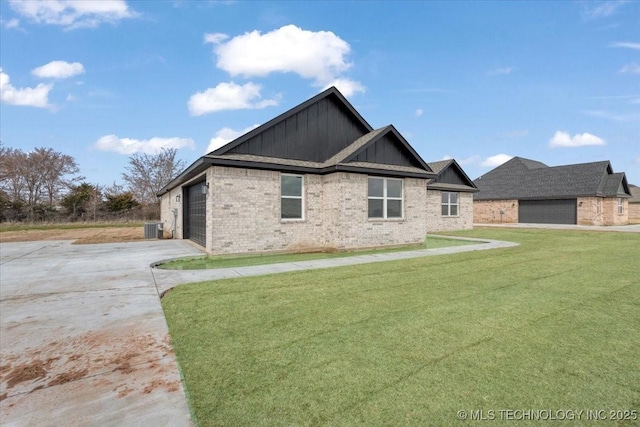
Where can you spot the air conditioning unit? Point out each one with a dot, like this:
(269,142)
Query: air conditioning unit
(153,230)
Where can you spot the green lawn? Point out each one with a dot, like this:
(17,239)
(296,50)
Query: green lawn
(553,324)
(225,261)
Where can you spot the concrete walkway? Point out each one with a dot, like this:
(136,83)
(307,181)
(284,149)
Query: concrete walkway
(167,279)
(634,228)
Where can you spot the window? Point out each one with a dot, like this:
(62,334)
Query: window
(449,204)
(291,196)
(598,206)
(385,198)
(620,205)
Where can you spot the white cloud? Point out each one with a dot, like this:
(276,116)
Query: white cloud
(602,9)
(12,23)
(58,70)
(496,160)
(228,96)
(29,96)
(215,38)
(501,71)
(318,55)
(469,160)
(419,112)
(73,13)
(148,146)
(632,68)
(226,135)
(346,86)
(563,139)
(628,45)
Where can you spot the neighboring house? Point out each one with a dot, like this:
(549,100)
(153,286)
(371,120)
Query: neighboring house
(527,191)
(634,205)
(449,197)
(316,177)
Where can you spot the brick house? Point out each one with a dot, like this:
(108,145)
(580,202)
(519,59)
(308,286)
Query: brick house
(316,177)
(527,191)
(634,205)
(449,197)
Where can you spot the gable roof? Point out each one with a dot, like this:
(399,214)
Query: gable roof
(322,135)
(314,131)
(524,179)
(450,177)
(635,193)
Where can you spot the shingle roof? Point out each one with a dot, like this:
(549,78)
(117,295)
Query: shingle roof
(437,167)
(635,194)
(523,179)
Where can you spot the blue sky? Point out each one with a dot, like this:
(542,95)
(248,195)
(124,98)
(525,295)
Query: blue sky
(557,82)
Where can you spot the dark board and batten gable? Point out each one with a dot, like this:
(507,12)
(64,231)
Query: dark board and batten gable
(389,147)
(450,177)
(314,131)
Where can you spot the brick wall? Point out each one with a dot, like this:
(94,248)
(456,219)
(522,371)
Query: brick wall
(588,213)
(634,213)
(244,213)
(488,211)
(346,222)
(437,222)
(611,215)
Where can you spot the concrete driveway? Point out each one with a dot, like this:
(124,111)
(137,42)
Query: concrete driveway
(83,339)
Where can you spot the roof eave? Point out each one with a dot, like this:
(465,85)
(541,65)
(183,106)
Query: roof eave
(195,169)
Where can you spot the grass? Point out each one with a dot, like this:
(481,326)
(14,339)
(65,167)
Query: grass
(225,261)
(5,227)
(553,324)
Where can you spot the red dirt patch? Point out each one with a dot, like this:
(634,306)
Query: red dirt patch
(68,377)
(78,235)
(135,358)
(26,372)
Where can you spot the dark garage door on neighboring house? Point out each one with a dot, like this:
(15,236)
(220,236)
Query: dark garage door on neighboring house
(195,215)
(561,211)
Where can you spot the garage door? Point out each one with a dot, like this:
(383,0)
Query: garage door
(547,211)
(195,215)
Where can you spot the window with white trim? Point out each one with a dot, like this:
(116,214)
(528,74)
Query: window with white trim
(620,205)
(291,197)
(385,198)
(450,203)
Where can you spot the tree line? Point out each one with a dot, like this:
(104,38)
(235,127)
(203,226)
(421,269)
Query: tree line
(45,185)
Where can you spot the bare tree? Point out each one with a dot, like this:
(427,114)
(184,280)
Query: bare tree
(57,172)
(11,178)
(147,173)
(42,173)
